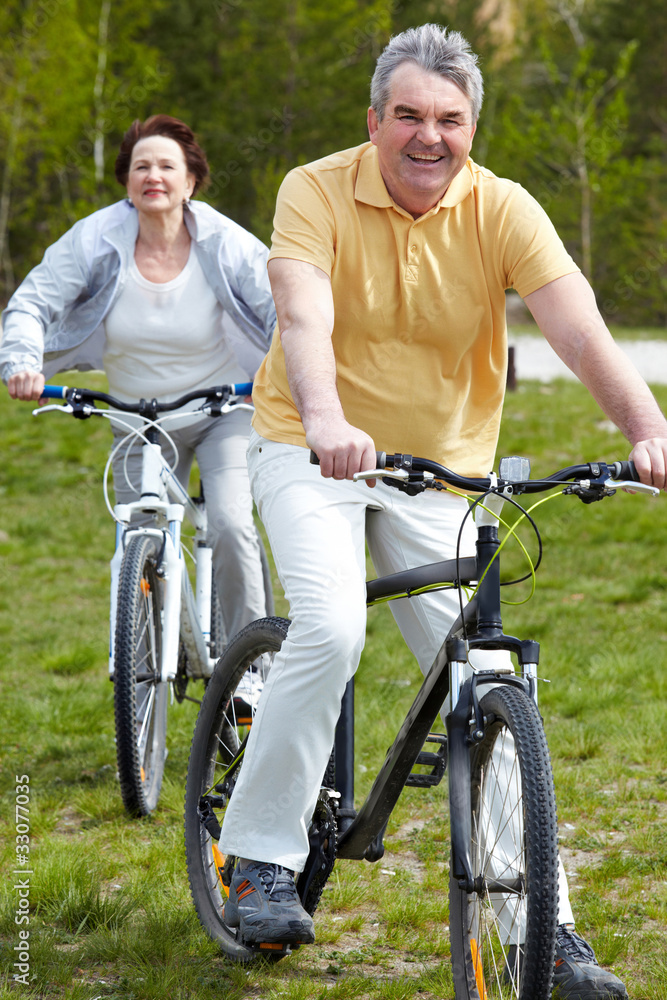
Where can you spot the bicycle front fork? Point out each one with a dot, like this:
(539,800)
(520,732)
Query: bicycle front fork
(465,727)
(170,569)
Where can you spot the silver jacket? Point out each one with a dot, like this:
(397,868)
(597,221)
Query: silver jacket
(54,321)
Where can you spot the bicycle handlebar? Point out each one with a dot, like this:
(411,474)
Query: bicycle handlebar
(413,470)
(78,397)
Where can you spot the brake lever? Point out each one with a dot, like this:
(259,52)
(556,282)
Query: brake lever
(51,407)
(215,409)
(401,474)
(632,487)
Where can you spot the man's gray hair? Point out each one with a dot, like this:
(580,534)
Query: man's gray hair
(436,50)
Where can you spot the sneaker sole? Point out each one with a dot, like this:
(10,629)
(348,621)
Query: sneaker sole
(258,935)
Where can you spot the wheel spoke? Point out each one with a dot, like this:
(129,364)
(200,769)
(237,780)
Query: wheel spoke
(145,722)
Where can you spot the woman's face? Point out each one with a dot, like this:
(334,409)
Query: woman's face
(158,178)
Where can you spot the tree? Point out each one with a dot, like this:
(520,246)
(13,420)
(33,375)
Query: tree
(269,85)
(61,117)
(563,131)
(572,110)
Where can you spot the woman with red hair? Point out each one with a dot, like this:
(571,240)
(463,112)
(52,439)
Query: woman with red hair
(166,295)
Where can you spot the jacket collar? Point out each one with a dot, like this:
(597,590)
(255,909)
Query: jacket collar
(123,236)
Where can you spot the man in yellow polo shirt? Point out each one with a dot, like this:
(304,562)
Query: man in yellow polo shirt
(389,267)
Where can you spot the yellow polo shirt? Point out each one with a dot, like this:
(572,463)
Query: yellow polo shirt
(419,336)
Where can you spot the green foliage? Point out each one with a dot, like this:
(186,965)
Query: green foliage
(572,111)
(269,85)
(563,127)
(71,81)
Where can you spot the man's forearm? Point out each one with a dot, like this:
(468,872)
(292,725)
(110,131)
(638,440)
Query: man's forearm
(619,390)
(311,373)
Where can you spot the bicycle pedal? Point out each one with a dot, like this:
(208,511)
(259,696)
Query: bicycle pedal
(437,761)
(270,952)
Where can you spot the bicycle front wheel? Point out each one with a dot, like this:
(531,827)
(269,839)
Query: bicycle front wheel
(503,932)
(140,697)
(224,721)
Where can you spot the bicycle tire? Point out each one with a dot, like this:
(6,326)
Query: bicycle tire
(219,732)
(218,633)
(140,697)
(485,963)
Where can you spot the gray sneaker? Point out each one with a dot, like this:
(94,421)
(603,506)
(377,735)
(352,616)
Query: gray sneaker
(577,974)
(264,904)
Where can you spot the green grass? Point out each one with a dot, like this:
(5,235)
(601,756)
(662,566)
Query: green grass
(110,912)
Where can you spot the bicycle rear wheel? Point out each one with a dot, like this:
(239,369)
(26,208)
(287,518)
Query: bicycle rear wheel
(503,933)
(224,721)
(140,697)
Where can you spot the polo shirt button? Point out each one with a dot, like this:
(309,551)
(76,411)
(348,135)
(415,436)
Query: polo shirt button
(413,249)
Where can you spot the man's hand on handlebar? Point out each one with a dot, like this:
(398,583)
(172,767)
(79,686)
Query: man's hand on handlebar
(650,458)
(341,448)
(26,385)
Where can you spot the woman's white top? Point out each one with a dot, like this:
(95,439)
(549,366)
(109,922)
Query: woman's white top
(166,339)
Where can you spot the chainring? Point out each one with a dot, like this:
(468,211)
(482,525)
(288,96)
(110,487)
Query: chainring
(180,682)
(322,855)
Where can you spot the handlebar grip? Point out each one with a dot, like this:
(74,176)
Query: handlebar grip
(380,459)
(242,389)
(627,470)
(54,391)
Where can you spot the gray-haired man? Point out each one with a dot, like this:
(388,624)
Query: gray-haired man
(389,267)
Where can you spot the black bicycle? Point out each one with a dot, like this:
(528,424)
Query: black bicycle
(503,885)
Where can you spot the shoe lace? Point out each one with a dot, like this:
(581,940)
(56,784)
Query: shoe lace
(278,882)
(574,945)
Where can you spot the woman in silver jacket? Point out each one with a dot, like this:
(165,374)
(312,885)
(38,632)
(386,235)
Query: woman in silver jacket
(166,295)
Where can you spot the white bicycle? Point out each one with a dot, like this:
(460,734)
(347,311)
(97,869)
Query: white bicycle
(163,632)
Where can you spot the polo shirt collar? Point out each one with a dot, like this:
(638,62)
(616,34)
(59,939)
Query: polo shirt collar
(371,189)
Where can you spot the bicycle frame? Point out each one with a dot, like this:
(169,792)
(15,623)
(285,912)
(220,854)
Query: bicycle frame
(361,836)
(185,617)
(479,627)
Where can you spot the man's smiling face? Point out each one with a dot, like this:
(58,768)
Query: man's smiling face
(424,138)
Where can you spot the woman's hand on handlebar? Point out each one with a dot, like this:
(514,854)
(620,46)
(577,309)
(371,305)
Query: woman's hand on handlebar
(26,385)
(341,448)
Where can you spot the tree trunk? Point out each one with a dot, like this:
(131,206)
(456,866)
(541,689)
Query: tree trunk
(98,91)
(586,220)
